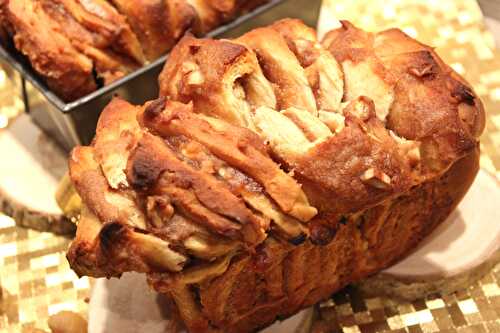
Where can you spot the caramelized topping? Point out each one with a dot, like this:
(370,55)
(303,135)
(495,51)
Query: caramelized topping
(376,178)
(267,138)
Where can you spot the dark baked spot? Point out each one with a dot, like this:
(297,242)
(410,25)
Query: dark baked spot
(462,93)
(422,64)
(232,52)
(298,239)
(155,108)
(322,234)
(261,260)
(110,235)
(143,171)
(193,49)
(343,220)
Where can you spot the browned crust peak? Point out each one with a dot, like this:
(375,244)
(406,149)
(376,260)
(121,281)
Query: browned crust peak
(276,169)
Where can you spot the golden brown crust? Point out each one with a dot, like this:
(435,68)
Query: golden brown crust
(204,198)
(211,14)
(207,83)
(404,79)
(274,174)
(71,75)
(197,191)
(69,41)
(239,147)
(419,81)
(66,40)
(335,168)
(157,24)
(98,25)
(101,17)
(239,300)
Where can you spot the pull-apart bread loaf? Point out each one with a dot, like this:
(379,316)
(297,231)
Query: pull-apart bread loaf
(275,169)
(78,45)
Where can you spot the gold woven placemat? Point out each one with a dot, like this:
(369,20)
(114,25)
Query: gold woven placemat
(36,281)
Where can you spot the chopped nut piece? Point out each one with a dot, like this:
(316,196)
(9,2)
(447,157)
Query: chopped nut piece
(410,147)
(159,210)
(362,80)
(207,166)
(303,45)
(304,50)
(192,76)
(361,108)
(376,178)
(67,322)
(396,137)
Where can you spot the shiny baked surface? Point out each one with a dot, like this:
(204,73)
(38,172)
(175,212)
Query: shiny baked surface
(292,165)
(348,120)
(468,309)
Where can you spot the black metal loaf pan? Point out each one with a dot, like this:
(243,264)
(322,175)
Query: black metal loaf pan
(74,123)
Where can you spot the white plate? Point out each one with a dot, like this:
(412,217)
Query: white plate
(128,305)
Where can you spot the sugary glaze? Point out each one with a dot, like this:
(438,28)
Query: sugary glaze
(271,160)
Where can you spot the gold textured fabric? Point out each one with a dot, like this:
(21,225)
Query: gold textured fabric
(36,281)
